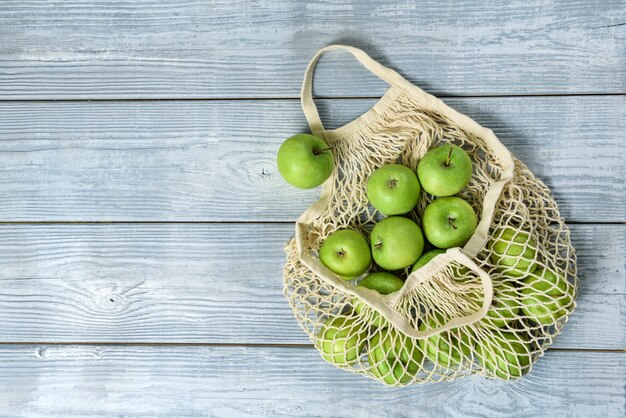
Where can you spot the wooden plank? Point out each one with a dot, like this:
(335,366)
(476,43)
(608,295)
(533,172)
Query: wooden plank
(217,283)
(215,161)
(156,49)
(68,381)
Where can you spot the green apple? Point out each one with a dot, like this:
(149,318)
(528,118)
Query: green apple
(341,340)
(506,354)
(449,222)
(546,297)
(393,357)
(445,170)
(396,243)
(393,189)
(514,251)
(346,253)
(505,305)
(382,282)
(305,161)
(425,258)
(446,349)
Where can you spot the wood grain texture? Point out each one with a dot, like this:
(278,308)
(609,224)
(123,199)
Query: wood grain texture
(210,283)
(215,161)
(219,49)
(77,381)
(220,284)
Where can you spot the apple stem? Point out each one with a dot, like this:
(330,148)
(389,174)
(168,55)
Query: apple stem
(451,222)
(447,163)
(318,152)
(392,183)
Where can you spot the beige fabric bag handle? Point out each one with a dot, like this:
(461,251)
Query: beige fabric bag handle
(385,305)
(306,94)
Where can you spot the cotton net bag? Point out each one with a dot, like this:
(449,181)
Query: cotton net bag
(490,308)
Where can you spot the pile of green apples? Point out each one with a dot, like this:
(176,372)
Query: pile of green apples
(396,245)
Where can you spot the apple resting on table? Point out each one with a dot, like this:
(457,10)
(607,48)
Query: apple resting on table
(341,340)
(505,305)
(546,297)
(305,161)
(514,251)
(393,356)
(506,354)
(446,349)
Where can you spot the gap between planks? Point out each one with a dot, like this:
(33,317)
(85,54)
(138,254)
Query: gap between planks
(175,344)
(56,222)
(293,98)
(308,346)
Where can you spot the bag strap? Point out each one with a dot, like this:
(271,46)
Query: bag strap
(306,94)
(423,274)
(386,305)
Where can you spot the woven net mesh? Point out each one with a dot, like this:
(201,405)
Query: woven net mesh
(527,254)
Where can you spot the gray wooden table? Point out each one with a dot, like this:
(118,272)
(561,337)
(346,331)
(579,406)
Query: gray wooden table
(142,217)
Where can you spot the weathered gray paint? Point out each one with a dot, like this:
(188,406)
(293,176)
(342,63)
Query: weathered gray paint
(97,381)
(169,161)
(217,283)
(200,161)
(159,49)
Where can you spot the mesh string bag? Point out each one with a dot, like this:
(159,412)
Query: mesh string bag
(490,308)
